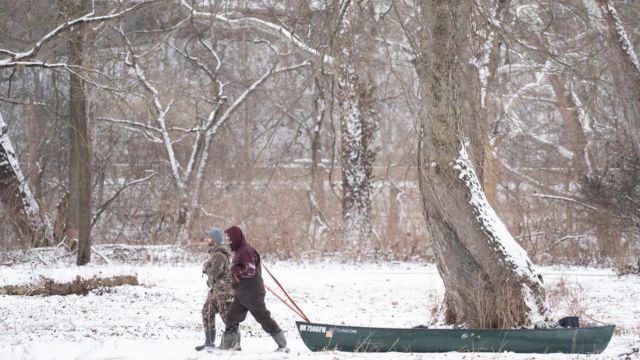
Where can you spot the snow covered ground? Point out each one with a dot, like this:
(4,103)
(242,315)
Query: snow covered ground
(161,319)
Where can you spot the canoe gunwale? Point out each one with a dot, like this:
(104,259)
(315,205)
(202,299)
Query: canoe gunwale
(447,329)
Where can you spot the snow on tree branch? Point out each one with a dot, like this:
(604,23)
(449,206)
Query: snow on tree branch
(563,198)
(22,58)
(159,109)
(623,37)
(144,129)
(211,125)
(266,26)
(247,92)
(18,102)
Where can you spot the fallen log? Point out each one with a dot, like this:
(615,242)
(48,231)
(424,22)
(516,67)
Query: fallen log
(79,286)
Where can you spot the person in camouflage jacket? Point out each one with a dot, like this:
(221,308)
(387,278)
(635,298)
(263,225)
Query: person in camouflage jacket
(220,294)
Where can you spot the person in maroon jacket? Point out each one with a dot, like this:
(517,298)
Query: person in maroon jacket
(247,282)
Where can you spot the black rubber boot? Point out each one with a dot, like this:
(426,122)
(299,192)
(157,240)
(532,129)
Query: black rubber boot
(230,341)
(281,341)
(209,338)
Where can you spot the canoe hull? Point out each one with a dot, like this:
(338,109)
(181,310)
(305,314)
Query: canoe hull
(584,340)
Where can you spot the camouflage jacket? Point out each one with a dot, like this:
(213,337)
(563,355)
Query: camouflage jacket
(217,266)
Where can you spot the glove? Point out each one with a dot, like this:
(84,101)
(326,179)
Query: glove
(205,266)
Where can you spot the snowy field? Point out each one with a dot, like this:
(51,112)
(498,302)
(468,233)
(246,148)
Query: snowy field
(161,319)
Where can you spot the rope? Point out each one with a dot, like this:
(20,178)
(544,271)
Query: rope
(299,312)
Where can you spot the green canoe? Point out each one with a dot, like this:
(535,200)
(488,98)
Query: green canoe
(580,340)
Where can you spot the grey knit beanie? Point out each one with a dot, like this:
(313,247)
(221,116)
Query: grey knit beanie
(216,234)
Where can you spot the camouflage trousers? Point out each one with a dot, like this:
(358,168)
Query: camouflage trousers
(218,301)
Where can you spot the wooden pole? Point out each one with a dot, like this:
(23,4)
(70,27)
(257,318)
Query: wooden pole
(301,313)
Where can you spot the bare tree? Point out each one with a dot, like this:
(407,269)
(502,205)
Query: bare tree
(488,277)
(187,178)
(79,228)
(354,98)
(552,87)
(597,139)
(75,15)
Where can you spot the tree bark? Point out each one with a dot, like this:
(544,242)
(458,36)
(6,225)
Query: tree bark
(488,277)
(79,146)
(356,166)
(355,101)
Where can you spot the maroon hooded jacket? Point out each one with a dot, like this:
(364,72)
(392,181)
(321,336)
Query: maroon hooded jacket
(245,265)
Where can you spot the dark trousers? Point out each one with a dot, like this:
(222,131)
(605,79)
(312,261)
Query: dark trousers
(255,305)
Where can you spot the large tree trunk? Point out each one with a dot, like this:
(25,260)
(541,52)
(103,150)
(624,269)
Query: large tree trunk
(488,277)
(16,196)
(80,149)
(356,164)
(355,100)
